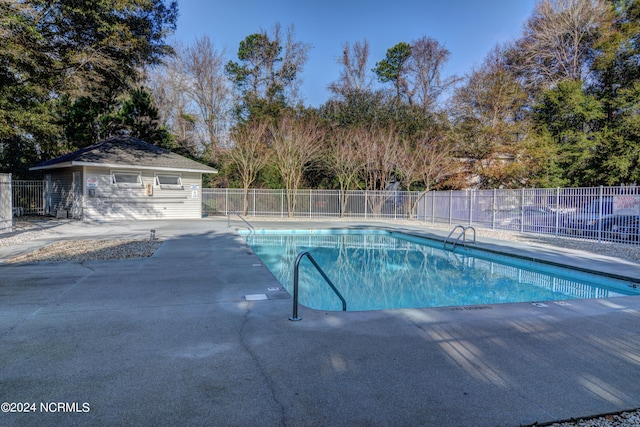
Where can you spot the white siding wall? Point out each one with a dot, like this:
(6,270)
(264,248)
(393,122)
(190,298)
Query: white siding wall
(109,202)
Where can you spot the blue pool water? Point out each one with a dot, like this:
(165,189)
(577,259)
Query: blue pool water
(378,269)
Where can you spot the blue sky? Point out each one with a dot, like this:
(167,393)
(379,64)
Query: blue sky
(469,29)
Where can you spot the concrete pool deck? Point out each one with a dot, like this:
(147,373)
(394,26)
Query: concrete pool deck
(173,340)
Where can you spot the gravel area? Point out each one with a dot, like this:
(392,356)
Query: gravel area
(73,250)
(90,250)
(622,419)
(24,231)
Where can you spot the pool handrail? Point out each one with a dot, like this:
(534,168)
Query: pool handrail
(296,266)
(251,229)
(463,235)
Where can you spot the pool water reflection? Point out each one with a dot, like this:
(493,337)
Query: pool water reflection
(377,269)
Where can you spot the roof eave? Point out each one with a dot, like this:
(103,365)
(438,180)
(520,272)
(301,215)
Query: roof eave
(53,166)
(120,166)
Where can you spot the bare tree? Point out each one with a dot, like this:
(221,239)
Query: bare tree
(428,57)
(344,159)
(297,144)
(559,38)
(168,86)
(428,161)
(380,149)
(354,75)
(210,92)
(194,97)
(249,154)
(293,60)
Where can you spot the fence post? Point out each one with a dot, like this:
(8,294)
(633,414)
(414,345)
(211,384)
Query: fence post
(11,202)
(471,207)
(395,204)
(522,210)
(557,211)
(493,210)
(6,207)
(366,201)
(433,207)
(600,214)
(226,202)
(425,207)
(450,207)
(44,197)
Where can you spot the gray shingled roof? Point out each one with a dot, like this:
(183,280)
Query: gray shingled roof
(125,152)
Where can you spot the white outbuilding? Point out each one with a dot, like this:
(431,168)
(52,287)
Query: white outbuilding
(124,178)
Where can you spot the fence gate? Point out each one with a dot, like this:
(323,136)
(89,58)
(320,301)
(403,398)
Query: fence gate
(6,214)
(29,197)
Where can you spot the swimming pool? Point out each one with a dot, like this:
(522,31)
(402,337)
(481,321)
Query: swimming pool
(380,269)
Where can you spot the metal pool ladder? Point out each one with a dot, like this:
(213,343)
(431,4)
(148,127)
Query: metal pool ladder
(295,284)
(251,229)
(462,235)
